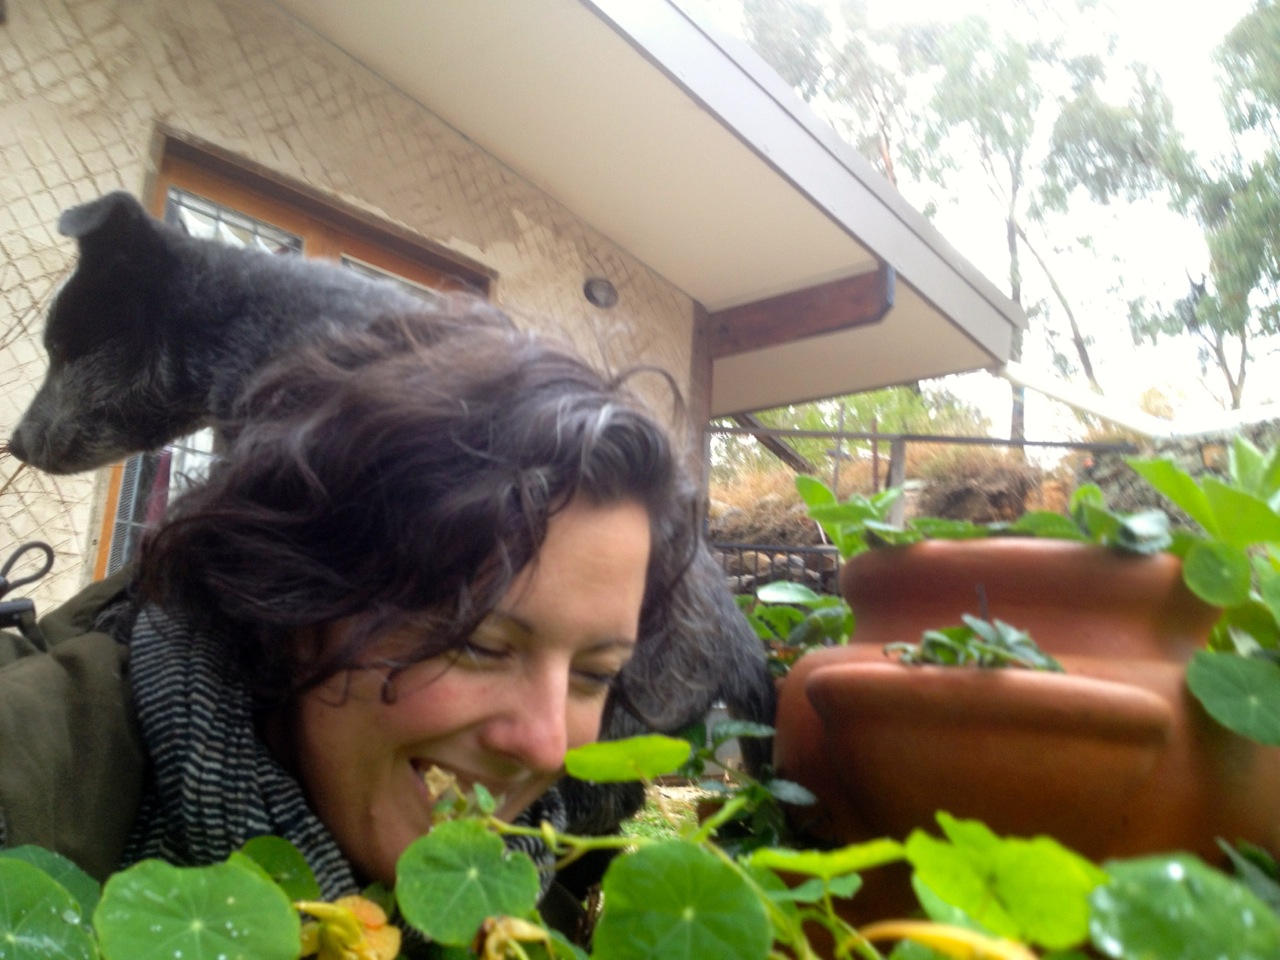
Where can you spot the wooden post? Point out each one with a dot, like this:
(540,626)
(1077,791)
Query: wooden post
(835,469)
(897,477)
(875,456)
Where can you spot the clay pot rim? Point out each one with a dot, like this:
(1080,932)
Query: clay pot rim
(1107,709)
(1027,543)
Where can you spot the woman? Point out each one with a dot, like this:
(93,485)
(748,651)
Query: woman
(408,557)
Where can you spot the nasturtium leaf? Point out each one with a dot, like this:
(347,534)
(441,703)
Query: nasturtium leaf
(779,620)
(485,801)
(1241,693)
(959,877)
(1178,908)
(813,491)
(881,534)
(1099,525)
(1180,487)
(154,911)
(810,891)
(829,623)
(974,835)
(939,910)
(1146,532)
(679,901)
(1045,887)
(449,881)
(565,949)
(284,864)
(1089,493)
(1246,466)
(1266,572)
(786,591)
(940,528)
(1243,519)
(1045,523)
(75,881)
(636,758)
(724,730)
(1259,880)
(1217,573)
(1034,890)
(827,864)
(39,919)
(788,791)
(1247,627)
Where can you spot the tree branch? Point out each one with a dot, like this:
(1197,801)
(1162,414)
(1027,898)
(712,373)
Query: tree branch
(1077,338)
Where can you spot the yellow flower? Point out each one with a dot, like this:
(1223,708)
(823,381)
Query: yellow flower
(500,938)
(350,928)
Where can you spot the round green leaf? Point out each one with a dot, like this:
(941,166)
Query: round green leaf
(636,758)
(39,919)
(1045,887)
(1043,523)
(154,911)
(679,902)
(1178,908)
(1028,889)
(724,730)
(788,791)
(1241,693)
(284,864)
(458,875)
(75,881)
(1217,573)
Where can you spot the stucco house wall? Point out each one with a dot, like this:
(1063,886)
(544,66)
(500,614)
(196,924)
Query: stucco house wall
(86,84)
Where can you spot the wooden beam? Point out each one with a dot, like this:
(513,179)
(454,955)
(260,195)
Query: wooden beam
(775,445)
(827,308)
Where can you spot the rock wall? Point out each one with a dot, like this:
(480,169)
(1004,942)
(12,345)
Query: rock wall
(1126,492)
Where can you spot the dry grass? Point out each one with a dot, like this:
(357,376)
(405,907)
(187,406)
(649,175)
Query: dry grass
(982,484)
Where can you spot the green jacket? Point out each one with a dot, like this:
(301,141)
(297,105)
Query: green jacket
(72,763)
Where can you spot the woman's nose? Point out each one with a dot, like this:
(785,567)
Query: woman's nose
(533,727)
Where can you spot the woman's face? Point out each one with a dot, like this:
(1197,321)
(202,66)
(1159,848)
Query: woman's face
(531,684)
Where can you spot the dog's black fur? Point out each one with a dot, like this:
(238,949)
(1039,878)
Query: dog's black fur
(156,333)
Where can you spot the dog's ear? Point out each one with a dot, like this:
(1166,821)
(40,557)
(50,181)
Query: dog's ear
(106,224)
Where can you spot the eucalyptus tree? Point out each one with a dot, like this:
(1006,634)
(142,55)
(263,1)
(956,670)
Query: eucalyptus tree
(841,63)
(1034,122)
(1233,305)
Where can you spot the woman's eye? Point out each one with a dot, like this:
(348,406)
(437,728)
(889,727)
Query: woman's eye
(594,682)
(480,653)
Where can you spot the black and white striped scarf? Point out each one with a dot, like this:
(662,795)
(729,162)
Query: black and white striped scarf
(214,784)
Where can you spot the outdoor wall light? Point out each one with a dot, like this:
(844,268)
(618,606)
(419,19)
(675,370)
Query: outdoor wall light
(600,292)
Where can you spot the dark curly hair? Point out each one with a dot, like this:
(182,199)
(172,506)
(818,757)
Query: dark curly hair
(395,472)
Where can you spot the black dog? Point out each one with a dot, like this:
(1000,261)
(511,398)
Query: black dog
(156,334)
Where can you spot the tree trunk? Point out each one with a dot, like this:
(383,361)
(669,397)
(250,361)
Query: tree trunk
(1018,404)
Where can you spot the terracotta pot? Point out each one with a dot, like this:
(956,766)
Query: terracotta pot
(1114,759)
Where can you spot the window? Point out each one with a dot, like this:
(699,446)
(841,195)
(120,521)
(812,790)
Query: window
(207,203)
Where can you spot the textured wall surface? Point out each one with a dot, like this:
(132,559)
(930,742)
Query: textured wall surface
(83,86)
